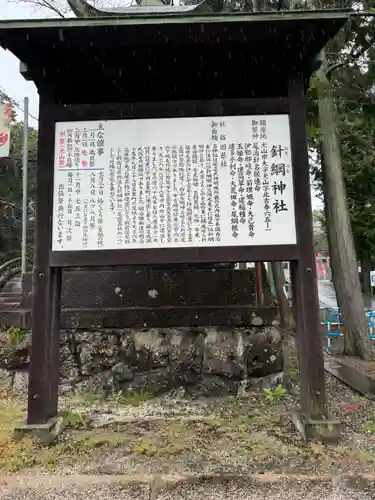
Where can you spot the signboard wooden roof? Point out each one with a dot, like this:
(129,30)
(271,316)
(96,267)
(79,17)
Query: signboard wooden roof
(170,56)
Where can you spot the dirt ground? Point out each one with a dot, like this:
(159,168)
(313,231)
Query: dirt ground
(141,437)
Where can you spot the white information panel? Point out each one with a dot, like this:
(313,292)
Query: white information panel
(172,183)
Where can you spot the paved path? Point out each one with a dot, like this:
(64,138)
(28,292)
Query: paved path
(327,295)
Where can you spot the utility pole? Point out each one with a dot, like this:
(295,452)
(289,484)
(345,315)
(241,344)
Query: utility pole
(25,161)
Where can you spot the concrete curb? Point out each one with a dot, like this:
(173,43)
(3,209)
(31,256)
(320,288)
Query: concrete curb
(160,483)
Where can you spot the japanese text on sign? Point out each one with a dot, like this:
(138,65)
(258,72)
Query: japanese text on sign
(175,182)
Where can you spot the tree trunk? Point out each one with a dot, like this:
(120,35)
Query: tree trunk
(286,315)
(267,295)
(258,284)
(342,251)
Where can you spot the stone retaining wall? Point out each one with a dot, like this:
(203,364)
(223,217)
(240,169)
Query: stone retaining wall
(202,360)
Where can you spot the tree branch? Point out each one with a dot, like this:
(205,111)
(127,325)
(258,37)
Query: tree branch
(6,203)
(53,8)
(43,4)
(351,57)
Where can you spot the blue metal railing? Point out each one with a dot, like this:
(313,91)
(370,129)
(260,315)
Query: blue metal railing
(334,324)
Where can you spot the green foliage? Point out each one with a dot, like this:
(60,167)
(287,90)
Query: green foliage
(73,420)
(14,335)
(11,192)
(352,56)
(135,398)
(369,428)
(320,233)
(275,395)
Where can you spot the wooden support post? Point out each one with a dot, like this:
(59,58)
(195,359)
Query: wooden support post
(44,364)
(310,353)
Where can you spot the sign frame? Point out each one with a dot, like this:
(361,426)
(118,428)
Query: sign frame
(230,107)
(48,265)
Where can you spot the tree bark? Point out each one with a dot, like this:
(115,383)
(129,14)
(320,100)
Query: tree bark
(266,286)
(286,315)
(342,251)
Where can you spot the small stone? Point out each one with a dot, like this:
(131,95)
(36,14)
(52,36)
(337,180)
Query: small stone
(212,386)
(152,382)
(21,382)
(121,374)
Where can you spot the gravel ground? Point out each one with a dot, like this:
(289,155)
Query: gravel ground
(115,439)
(80,489)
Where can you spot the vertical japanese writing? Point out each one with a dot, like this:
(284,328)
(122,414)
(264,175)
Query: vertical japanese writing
(214,131)
(77,148)
(92,148)
(210,195)
(182,182)
(85,225)
(60,214)
(85,148)
(100,207)
(141,196)
(119,199)
(112,203)
(233,190)
(196,205)
(162,220)
(226,182)
(223,155)
(176,197)
(127,197)
(148,201)
(155,196)
(69,229)
(93,201)
(168,194)
(256,155)
(203,193)
(222,134)
(134,214)
(100,140)
(78,202)
(216,192)
(279,169)
(189,193)
(241,183)
(266,174)
(249,190)
(62,146)
(69,148)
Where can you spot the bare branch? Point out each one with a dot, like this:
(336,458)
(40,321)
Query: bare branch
(53,8)
(6,203)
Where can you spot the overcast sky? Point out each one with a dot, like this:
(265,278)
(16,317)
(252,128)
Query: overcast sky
(11,80)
